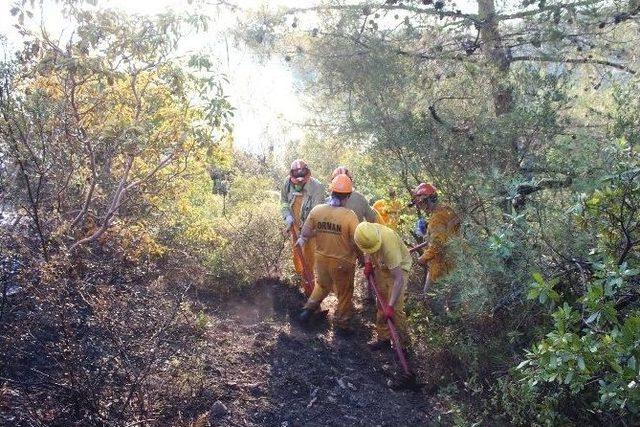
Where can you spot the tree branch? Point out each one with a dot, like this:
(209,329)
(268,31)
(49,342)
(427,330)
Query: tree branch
(594,61)
(534,12)
(115,204)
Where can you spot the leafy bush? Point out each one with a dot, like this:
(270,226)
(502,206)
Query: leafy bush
(593,348)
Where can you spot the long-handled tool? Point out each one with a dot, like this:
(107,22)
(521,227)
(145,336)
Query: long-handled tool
(418,247)
(392,327)
(426,276)
(307,274)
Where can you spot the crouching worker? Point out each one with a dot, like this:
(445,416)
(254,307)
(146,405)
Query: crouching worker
(389,261)
(443,224)
(333,227)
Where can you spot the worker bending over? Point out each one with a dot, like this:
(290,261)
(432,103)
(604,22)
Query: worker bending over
(333,226)
(300,193)
(443,223)
(389,261)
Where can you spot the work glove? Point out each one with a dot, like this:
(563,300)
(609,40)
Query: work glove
(301,241)
(368,268)
(289,220)
(388,312)
(421,227)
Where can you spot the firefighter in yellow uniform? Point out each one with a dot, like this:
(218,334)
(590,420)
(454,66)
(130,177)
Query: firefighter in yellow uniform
(333,226)
(300,193)
(389,210)
(389,261)
(443,224)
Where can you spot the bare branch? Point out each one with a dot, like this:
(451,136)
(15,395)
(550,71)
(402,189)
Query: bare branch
(534,12)
(113,208)
(615,65)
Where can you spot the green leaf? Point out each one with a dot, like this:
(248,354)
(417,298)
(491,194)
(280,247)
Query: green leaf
(581,364)
(593,317)
(538,278)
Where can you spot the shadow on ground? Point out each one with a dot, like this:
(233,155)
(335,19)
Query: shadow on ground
(274,372)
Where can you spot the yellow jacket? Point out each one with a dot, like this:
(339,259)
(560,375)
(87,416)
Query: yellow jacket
(389,212)
(443,223)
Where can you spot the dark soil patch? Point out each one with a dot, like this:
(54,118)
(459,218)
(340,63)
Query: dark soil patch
(274,372)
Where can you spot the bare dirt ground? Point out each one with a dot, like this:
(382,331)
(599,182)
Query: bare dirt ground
(274,372)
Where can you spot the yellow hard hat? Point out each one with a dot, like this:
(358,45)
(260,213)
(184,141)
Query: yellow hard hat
(367,237)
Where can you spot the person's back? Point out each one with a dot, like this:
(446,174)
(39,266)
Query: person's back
(359,205)
(393,252)
(333,228)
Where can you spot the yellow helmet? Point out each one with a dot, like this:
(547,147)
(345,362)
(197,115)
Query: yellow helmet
(367,237)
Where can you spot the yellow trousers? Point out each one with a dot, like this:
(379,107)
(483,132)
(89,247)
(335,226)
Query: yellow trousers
(334,275)
(309,254)
(384,281)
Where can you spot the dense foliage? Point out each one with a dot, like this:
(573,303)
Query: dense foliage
(124,200)
(121,200)
(524,114)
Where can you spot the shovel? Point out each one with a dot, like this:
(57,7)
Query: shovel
(392,328)
(418,247)
(409,379)
(307,274)
(426,276)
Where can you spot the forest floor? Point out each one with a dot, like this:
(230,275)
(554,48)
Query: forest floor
(275,372)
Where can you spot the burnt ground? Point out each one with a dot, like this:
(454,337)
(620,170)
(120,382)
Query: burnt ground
(275,372)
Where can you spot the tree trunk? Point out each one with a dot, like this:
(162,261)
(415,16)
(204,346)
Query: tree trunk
(498,56)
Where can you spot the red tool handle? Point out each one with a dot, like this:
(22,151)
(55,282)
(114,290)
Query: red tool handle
(307,275)
(417,247)
(392,327)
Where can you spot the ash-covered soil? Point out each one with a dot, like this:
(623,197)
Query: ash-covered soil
(274,372)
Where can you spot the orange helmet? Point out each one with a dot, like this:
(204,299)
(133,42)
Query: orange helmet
(299,172)
(423,191)
(341,170)
(341,184)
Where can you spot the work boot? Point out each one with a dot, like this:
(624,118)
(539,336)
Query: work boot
(321,314)
(380,345)
(305,315)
